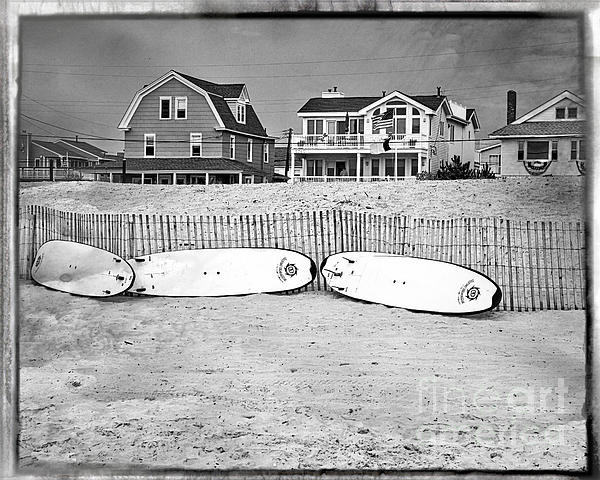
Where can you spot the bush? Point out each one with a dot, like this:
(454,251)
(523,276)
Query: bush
(456,170)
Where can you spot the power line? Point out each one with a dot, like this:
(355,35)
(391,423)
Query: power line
(412,70)
(66,114)
(305,62)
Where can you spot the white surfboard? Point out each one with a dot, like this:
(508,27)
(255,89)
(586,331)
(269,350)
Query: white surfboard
(413,283)
(81,269)
(221,271)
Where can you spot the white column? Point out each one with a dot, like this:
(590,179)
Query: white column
(142,178)
(358,167)
(395,164)
(174,178)
(303,166)
(110,177)
(241,178)
(252,179)
(292,166)
(207,179)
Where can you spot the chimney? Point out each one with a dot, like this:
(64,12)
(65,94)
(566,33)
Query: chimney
(511,106)
(439,91)
(383,93)
(335,88)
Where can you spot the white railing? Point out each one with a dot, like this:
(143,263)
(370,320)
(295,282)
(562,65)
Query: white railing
(357,141)
(59,173)
(346,178)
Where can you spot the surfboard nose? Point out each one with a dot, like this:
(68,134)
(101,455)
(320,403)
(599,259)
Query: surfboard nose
(313,269)
(496,297)
(323,264)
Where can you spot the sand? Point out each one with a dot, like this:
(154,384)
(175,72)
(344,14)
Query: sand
(304,381)
(531,198)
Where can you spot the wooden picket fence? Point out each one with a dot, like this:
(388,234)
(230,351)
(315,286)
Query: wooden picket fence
(540,265)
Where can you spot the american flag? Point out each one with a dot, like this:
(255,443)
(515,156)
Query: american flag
(383,120)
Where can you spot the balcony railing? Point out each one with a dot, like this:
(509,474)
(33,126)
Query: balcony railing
(347,178)
(357,141)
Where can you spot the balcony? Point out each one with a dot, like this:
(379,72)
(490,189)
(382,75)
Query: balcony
(356,142)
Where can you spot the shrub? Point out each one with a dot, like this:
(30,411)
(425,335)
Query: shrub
(454,170)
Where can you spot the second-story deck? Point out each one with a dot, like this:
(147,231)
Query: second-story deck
(357,142)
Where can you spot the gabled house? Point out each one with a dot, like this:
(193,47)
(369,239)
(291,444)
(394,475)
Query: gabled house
(181,129)
(392,137)
(60,154)
(548,140)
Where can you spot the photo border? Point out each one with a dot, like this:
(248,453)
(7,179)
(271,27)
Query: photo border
(11,11)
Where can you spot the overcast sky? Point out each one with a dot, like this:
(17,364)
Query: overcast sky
(80,74)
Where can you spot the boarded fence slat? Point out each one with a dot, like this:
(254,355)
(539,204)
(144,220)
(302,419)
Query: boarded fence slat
(538,265)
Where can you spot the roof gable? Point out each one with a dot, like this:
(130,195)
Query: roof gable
(84,147)
(172,74)
(530,116)
(396,95)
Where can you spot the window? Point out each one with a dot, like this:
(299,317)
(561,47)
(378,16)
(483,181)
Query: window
(554,150)
(181,107)
(451,132)
(241,113)
(572,112)
(164,109)
(414,167)
(560,112)
(573,149)
(581,150)
(265,152)
(314,127)
(441,129)
(389,167)
(537,150)
(249,150)
(232,146)
(416,125)
(357,125)
(149,144)
(521,151)
(375,167)
(195,144)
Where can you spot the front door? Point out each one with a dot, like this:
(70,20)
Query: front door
(340,169)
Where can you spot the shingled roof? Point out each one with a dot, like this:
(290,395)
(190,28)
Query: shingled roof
(86,147)
(59,149)
(532,129)
(181,165)
(353,104)
(225,90)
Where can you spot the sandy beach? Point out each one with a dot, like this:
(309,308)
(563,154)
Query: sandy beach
(305,381)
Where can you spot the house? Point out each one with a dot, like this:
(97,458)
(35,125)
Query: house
(62,153)
(489,156)
(391,137)
(183,130)
(548,140)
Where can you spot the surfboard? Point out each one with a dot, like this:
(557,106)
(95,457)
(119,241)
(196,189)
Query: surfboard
(81,269)
(417,284)
(221,271)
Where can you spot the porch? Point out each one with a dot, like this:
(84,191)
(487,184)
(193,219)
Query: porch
(392,166)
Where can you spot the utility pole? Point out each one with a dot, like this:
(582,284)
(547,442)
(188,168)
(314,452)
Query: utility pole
(289,148)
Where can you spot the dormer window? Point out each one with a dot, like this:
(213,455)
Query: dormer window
(560,113)
(164,108)
(181,107)
(572,112)
(241,113)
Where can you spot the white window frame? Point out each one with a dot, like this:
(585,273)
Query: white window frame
(249,151)
(266,152)
(148,136)
(160,102)
(232,146)
(185,100)
(195,140)
(241,113)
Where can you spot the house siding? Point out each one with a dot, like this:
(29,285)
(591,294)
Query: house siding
(200,119)
(563,166)
(549,115)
